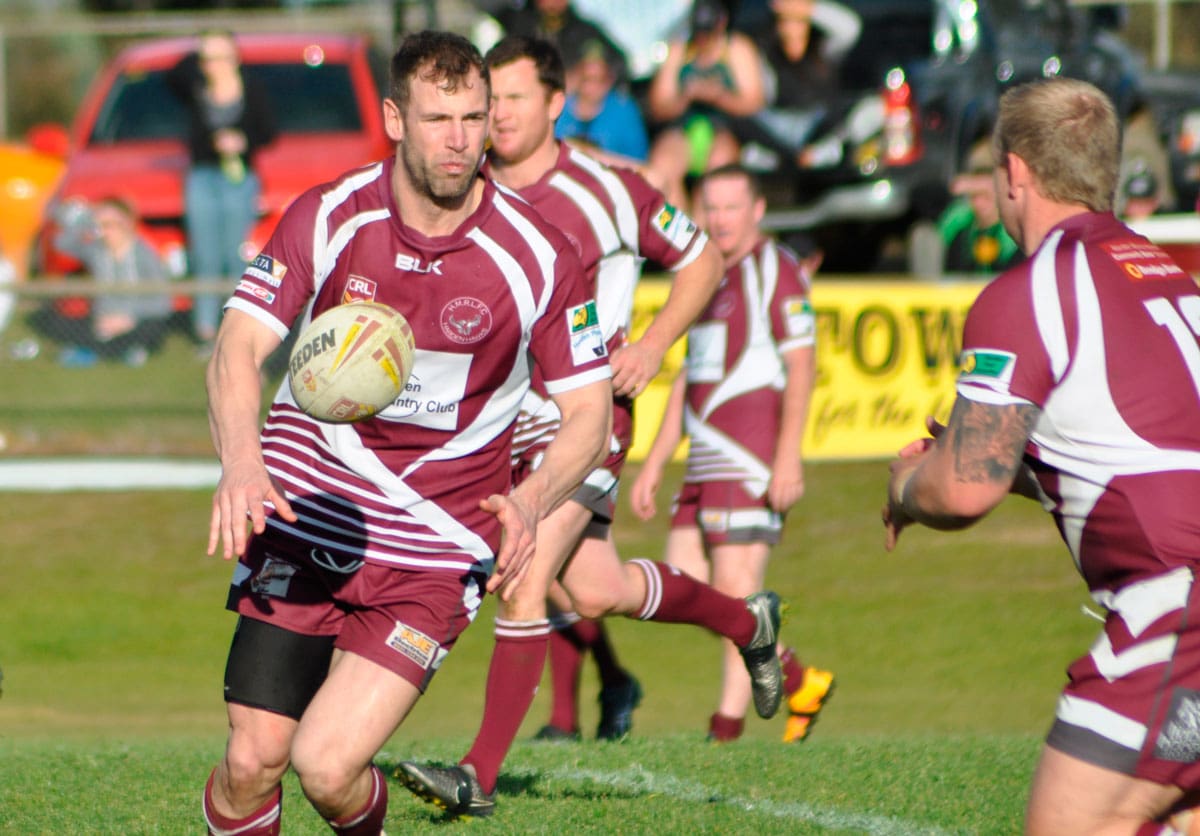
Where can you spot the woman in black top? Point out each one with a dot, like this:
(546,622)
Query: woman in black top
(230,118)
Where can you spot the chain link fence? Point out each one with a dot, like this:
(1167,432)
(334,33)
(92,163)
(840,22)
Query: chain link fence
(72,389)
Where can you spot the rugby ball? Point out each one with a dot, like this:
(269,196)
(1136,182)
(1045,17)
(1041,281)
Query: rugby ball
(351,362)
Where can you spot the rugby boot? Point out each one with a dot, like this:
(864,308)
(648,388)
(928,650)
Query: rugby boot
(806,702)
(453,788)
(617,703)
(766,675)
(554,734)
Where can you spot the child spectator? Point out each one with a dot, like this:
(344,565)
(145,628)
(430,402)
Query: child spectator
(128,327)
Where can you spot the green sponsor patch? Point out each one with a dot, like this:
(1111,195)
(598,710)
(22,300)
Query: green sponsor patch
(981,362)
(583,316)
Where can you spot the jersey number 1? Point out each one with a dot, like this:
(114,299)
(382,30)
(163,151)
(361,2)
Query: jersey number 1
(1183,326)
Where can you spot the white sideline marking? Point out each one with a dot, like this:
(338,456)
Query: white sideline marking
(637,778)
(93,474)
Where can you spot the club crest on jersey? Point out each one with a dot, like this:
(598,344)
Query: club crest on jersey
(987,365)
(267,269)
(724,303)
(359,289)
(466,320)
(411,642)
(411,263)
(674,225)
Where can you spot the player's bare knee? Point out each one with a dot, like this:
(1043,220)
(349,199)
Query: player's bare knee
(325,781)
(247,773)
(596,602)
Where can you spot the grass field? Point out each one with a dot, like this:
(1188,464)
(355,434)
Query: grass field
(949,655)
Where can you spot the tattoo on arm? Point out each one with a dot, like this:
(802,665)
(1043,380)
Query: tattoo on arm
(988,441)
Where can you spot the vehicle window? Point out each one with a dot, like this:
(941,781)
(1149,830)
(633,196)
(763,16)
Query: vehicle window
(310,99)
(140,106)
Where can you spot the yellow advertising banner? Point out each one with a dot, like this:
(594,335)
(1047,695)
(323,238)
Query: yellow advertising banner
(887,356)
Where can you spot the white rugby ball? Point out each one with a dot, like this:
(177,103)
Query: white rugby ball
(351,362)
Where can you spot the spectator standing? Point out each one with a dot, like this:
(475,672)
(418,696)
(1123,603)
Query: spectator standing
(373,543)
(230,118)
(1080,388)
(706,81)
(742,399)
(127,327)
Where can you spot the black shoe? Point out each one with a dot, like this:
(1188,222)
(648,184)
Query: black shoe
(617,703)
(454,788)
(556,735)
(766,676)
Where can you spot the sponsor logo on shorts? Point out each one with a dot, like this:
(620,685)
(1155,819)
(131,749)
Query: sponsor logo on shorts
(466,320)
(267,269)
(273,579)
(414,644)
(1179,739)
(255,290)
(359,289)
(711,520)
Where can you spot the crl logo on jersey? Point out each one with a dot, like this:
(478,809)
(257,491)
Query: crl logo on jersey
(359,289)
(415,265)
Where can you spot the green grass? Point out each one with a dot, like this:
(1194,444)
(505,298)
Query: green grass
(949,655)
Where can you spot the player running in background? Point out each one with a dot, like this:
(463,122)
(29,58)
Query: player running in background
(1080,386)
(742,399)
(617,220)
(373,542)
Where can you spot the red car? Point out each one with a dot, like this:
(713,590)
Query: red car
(126,138)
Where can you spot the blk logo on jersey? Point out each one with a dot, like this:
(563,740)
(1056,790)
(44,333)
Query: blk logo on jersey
(359,289)
(414,265)
(466,320)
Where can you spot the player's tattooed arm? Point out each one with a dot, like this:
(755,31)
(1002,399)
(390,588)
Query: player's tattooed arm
(966,470)
(988,442)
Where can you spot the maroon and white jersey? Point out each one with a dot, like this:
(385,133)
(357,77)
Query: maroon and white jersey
(735,371)
(404,486)
(617,221)
(1100,330)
